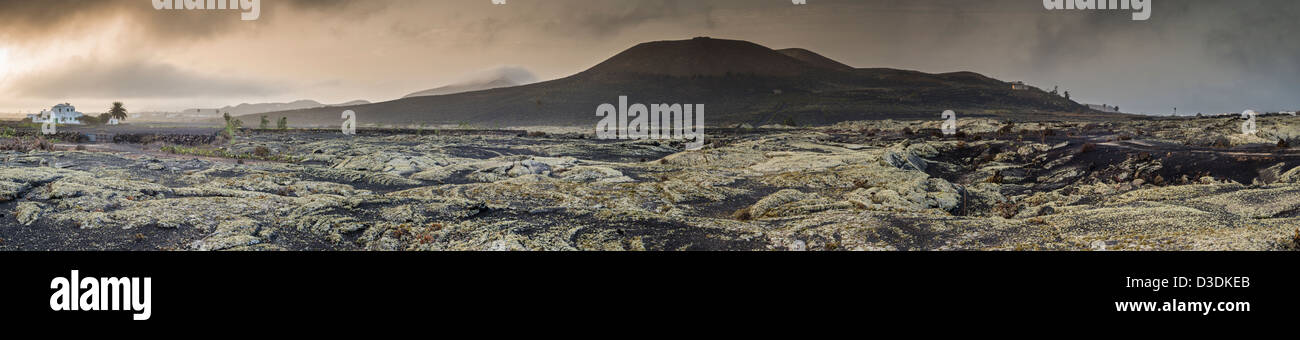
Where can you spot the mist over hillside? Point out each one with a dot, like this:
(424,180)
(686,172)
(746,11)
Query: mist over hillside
(491,79)
(248,109)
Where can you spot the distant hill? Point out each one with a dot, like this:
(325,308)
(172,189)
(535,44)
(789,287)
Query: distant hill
(351,103)
(738,81)
(250,109)
(492,79)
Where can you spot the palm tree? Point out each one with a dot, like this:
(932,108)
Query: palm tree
(117,111)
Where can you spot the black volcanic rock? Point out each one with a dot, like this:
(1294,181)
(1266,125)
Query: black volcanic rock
(737,81)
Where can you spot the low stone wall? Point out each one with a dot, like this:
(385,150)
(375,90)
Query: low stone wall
(149,138)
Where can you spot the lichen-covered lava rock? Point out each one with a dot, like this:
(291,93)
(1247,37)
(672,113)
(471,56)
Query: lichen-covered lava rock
(1175,184)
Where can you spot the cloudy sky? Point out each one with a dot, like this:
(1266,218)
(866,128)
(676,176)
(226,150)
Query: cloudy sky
(1197,55)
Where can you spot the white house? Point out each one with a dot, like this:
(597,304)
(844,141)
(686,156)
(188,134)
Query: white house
(61,114)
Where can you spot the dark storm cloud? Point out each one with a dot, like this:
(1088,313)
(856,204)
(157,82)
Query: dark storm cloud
(1259,35)
(1211,55)
(27,19)
(1232,27)
(1232,32)
(131,80)
(562,19)
(1246,34)
(1195,54)
(612,17)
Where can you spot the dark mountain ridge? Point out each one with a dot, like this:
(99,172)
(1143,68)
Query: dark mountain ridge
(812,58)
(737,81)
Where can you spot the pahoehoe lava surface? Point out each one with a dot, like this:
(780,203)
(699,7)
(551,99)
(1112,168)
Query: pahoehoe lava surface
(1142,184)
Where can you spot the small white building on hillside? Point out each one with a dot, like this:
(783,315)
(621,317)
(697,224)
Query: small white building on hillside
(1021,86)
(61,114)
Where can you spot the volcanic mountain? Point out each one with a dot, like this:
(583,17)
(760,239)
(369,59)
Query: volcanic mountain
(737,81)
(815,59)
